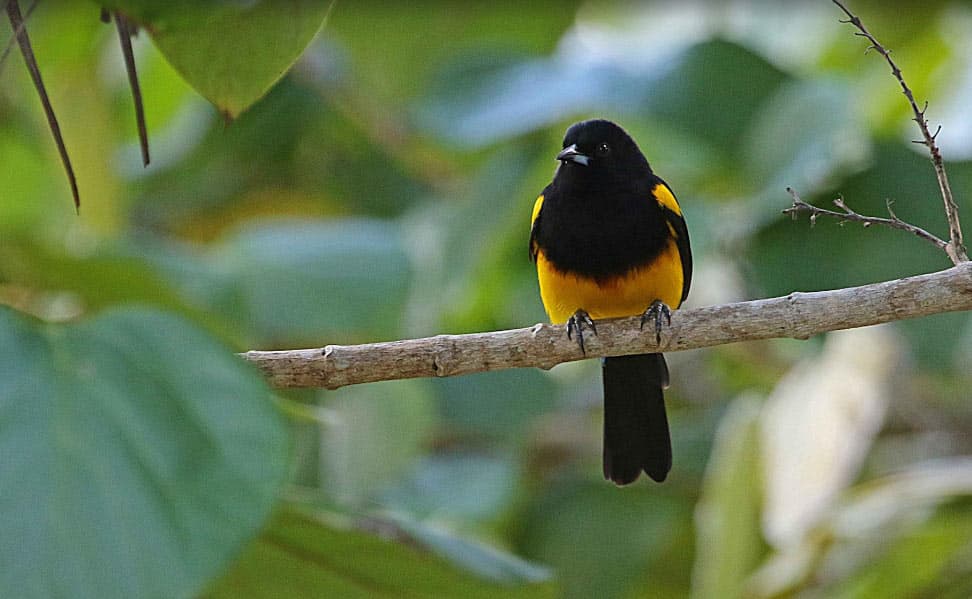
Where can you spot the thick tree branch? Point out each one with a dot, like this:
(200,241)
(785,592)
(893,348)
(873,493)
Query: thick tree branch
(955,248)
(798,315)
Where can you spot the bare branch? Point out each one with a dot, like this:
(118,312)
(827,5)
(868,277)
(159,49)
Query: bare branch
(126,30)
(849,215)
(20,33)
(798,315)
(955,248)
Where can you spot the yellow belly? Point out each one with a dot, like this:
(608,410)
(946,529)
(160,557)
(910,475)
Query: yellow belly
(627,295)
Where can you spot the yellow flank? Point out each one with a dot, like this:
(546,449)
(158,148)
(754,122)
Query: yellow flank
(536,208)
(665,197)
(627,295)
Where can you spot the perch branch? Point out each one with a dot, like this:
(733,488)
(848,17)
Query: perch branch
(849,215)
(798,315)
(955,248)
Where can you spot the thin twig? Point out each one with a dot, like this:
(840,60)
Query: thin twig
(798,315)
(956,246)
(13,38)
(126,29)
(17,24)
(850,215)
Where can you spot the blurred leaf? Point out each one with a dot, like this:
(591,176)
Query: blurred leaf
(313,282)
(806,132)
(600,540)
(499,404)
(25,195)
(230,52)
(706,95)
(397,46)
(374,435)
(481,98)
(905,534)
(483,560)
(728,529)
(878,524)
(926,554)
(139,456)
(817,430)
(300,557)
(455,487)
(102,277)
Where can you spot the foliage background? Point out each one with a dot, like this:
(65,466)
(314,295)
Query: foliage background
(382,190)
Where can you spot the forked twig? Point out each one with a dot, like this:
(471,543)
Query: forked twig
(850,215)
(955,248)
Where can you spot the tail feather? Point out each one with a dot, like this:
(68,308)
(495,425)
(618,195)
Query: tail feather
(636,433)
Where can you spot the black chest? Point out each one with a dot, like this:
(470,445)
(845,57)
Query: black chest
(601,235)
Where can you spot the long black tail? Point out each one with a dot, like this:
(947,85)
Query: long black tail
(636,434)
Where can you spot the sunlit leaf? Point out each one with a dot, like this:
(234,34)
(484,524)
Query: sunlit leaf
(816,430)
(231,52)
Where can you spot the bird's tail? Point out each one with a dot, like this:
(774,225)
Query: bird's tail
(636,434)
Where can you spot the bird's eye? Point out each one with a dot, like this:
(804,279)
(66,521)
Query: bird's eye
(603,150)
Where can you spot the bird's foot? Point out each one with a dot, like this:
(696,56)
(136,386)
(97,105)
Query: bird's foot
(655,312)
(576,323)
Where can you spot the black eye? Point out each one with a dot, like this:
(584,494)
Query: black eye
(603,150)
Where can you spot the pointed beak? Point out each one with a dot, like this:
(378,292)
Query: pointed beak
(572,153)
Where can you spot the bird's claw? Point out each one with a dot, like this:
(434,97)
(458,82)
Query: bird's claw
(655,311)
(577,322)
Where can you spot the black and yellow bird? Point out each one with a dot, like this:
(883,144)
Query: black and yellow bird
(609,240)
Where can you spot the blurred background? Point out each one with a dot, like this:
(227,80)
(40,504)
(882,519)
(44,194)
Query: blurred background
(383,190)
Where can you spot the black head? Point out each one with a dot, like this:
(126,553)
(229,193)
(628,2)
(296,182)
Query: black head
(601,150)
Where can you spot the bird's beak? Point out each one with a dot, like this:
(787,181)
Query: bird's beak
(572,153)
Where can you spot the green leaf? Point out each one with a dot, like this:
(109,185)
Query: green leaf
(486,561)
(925,561)
(374,434)
(500,403)
(714,92)
(729,543)
(230,52)
(806,133)
(300,557)
(306,281)
(455,487)
(599,540)
(138,456)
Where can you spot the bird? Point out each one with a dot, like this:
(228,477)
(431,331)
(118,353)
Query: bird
(609,240)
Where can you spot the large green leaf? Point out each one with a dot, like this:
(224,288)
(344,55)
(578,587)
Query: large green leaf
(232,52)
(600,540)
(727,517)
(311,282)
(374,435)
(138,456)
(300,557)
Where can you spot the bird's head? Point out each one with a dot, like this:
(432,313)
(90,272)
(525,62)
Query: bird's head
(600,149)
